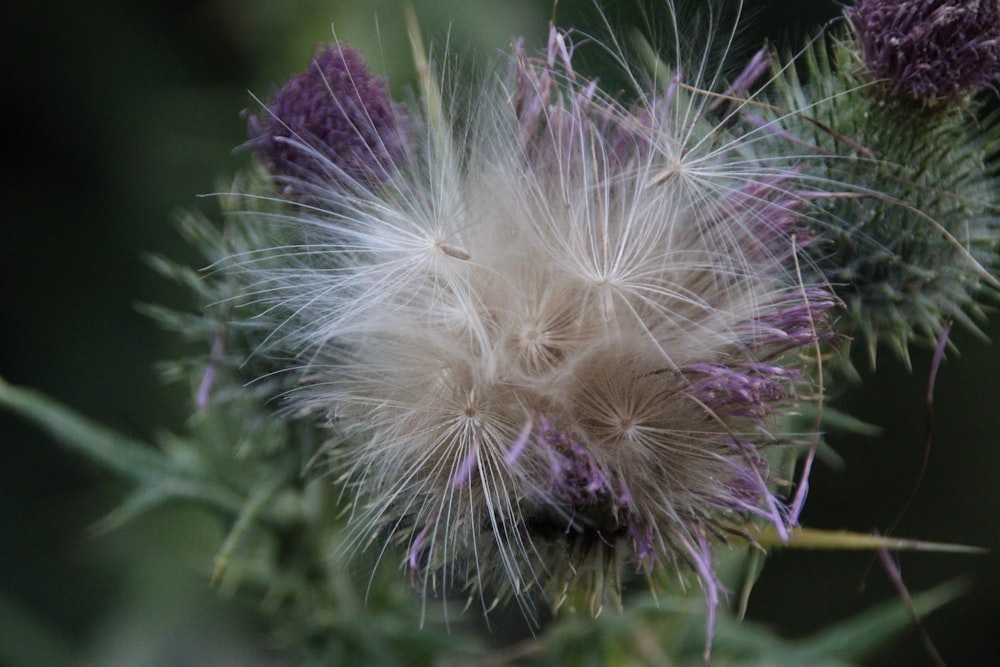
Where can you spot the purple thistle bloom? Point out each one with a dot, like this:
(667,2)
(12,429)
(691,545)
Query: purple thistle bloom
(746,391)
(333,122)
(559,112)
(758,65)
(929,51)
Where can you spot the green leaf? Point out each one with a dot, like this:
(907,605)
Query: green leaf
(857,637)
(132,459)
(251,510)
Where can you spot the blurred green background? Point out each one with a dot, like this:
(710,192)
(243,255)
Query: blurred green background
(119,114)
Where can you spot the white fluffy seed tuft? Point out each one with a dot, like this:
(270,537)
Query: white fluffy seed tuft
(555,346)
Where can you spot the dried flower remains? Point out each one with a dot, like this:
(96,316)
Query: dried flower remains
(554,342)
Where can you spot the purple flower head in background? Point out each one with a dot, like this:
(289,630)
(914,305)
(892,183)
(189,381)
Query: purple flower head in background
(335,121)
(929,51)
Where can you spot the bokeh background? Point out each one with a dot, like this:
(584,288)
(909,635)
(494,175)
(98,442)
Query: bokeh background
(119,114)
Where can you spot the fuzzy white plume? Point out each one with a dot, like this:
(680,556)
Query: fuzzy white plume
(553,342)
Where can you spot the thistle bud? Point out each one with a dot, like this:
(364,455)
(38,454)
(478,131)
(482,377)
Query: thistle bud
(909,225)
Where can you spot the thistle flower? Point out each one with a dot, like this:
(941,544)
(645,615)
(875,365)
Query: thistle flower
(910,236)
(554,351)
(335,121)
(929,52)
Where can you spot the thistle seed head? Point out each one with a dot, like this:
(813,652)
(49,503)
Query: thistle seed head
(557,349)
